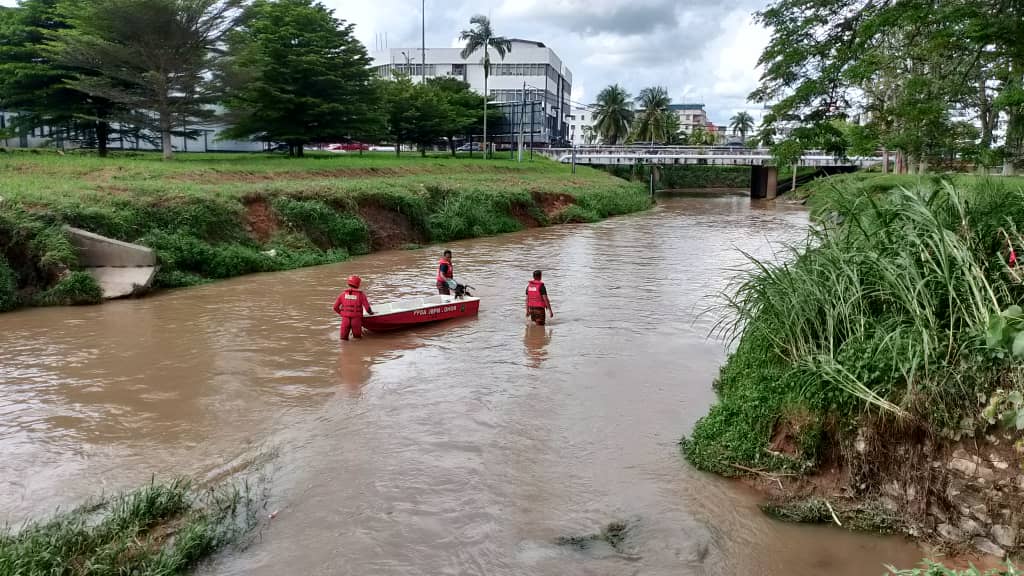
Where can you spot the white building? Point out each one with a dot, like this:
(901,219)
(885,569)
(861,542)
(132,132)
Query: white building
(581,128)
(530,65)
(690,116)
(205,139)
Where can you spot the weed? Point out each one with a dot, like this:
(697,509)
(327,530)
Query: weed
(890,307)
(8,287)
(155,530)
(77,288)
(929,568)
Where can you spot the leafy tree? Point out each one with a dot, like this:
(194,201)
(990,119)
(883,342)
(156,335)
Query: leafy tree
(155,57)
(743,123)
(649,125)
(589,135)
(481,36)
(613,114)
(34,85)
(399,116)
(298,75)
(464,107)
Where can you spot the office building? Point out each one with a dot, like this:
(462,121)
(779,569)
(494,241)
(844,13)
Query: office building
(581,127)
(529,66)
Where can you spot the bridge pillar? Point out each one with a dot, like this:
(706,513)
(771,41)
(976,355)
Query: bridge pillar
(764,182)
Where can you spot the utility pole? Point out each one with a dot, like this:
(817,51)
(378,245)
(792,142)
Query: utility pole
(423,38)
(522,121)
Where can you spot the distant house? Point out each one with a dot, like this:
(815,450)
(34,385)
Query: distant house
(690,116)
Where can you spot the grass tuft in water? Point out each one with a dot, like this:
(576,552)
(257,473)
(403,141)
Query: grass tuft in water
(159,529)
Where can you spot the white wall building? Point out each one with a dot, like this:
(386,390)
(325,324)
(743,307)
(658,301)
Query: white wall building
(690,116)
(547,80)
(206,139)
(581,128)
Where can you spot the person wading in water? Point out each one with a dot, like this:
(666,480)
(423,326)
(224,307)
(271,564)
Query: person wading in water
(537,300)
(350,305)
(445,274)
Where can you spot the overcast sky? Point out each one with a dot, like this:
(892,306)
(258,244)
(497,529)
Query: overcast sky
(701,50)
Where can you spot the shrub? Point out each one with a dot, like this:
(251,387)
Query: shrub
(326,227)
(76,289)
(8,287)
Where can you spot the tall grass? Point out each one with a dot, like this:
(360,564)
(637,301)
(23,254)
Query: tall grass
(159,529)
(885,309)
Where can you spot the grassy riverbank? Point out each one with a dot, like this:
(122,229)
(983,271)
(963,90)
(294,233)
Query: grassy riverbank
(892,333)
(217,216)
(156,530)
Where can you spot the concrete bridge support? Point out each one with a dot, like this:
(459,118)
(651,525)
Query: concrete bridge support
(764,182)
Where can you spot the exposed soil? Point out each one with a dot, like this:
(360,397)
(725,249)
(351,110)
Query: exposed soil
(553,204)
(260,218)
(389,229)
(522,214)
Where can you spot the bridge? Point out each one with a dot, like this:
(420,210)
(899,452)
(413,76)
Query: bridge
(763,172)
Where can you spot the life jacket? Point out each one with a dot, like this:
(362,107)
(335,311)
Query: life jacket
(441,277)
(534,299)
(352,303)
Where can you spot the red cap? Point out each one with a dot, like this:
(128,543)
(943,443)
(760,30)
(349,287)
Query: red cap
(354,281)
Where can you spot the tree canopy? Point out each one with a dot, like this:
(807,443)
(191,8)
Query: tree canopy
(298,75)
(613,114)
(899,67)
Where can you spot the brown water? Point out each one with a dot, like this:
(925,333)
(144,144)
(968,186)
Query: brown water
(466,448)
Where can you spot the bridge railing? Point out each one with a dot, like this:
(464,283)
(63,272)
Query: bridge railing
(672,151)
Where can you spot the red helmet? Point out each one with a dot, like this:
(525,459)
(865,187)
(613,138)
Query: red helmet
(354,281)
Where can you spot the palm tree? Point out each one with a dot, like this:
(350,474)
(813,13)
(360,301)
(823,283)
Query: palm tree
(613,114)
(742,122)
(674,135)
(650,122)
(481,36)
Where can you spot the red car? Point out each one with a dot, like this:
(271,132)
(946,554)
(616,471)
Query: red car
(351,146)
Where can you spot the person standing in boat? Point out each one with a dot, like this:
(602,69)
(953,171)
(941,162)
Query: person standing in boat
(537,300)
(445,274)
(350,305)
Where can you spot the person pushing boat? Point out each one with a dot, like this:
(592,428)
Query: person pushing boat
(445,274)
(537,300)
(350,305)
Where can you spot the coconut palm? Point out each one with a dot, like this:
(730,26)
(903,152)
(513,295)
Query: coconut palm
(743,123)
(613,114)
(650,121)
(479,36)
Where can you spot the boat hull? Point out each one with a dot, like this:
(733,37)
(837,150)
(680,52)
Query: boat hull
(420,316)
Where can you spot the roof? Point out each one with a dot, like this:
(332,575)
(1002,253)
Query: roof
(685,106)
(522,41)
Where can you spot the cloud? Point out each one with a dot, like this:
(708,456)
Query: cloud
(701,50)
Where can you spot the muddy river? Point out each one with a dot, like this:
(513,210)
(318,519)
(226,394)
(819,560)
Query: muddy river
(467,448)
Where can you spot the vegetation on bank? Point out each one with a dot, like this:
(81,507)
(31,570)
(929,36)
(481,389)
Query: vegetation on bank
(160,529)
(936,569)
(210,216)
(900,311)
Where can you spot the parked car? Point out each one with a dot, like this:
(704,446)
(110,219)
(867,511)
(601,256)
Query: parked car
(470,147)
(354,146)
(335,148)
(382,148)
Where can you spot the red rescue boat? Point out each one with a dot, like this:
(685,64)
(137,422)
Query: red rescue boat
(410,312)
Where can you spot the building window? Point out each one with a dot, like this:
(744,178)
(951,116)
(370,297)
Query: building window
(458,69)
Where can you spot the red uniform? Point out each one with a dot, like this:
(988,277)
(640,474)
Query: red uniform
(443,275)
(535,293)
(350,305)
